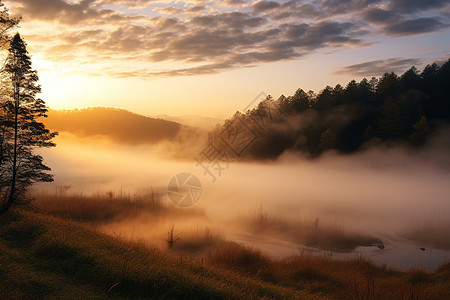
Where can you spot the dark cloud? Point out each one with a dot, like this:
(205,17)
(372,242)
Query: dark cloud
(415,26)
(408,17)
(234,2)
(412,6)
(319,35)
(265,5)
(228,20)
(380,16)
(59,10)
(62,12)
(335,7)
(378,67)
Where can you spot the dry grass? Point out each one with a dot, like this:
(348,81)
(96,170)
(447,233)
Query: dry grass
(199,242)
(353,279)
(46,257)
(43,255)
(105,207)
(56,258)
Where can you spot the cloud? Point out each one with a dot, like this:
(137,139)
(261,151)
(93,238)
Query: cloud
(213,36)
(415,26)
(412,6)
(378,67)
(136,4)
(265,5)
(59,10)
(380,16)
(404,18)
(440,61)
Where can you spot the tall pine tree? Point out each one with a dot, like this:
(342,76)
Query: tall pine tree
(6,23)
(20,167)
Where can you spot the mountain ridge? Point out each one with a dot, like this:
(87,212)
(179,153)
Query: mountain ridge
(120,125)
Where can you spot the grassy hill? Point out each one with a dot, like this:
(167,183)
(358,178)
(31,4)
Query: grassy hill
(119,125)
(44,257)
(47,257)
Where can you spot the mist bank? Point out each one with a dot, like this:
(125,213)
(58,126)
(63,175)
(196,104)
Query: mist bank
(382,194)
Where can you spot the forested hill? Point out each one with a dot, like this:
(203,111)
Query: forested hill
(391,110)
(119,125)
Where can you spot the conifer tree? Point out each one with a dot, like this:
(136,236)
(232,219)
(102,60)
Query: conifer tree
(22,130)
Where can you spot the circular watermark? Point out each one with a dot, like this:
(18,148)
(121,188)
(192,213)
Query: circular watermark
(184,189)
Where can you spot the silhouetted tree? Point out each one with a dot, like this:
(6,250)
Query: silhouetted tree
(442,92)
(421,131)
(390,124)
(410,80)
(6,23)
(387,86)
(327,140)
(20,112)
(325,100)
(300,101)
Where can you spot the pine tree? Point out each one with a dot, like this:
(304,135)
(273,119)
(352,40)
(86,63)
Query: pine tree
(327,140)
(23,132)
(6,23)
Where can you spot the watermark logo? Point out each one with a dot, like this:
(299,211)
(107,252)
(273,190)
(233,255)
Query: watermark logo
(261,96)
(238,136)
(212,160)
(184,189)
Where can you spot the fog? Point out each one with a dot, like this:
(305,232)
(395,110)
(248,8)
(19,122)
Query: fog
(391,194)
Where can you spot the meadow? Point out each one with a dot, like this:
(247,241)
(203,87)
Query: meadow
(61,254)
(53,251)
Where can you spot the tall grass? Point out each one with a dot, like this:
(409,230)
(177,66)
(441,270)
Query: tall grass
(45,257)
(57,258)
(100,207)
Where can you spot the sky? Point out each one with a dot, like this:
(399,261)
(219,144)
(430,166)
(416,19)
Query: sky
(212,58)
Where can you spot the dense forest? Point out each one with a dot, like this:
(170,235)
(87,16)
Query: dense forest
(391,110)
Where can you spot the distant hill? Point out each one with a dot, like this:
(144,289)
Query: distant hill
(117,124)
(207,123)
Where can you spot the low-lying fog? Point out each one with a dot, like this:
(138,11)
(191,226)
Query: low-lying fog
(400,197)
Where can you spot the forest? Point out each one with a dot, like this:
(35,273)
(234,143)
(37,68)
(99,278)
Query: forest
(404,110)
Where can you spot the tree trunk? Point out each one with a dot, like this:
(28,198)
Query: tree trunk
(12,193)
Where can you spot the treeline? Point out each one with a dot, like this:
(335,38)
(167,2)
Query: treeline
(392,109)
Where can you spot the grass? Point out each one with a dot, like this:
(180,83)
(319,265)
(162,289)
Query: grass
(198,243)
(352,279)
(106,207)
(47,257)
(55,251)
